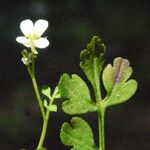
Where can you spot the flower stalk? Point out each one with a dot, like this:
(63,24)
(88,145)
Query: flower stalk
(32,76)
(45,115)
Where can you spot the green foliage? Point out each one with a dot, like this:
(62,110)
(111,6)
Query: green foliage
(78,100)
(56,93)
(115,81)
(75,90)
(78,135)
(46,91)
(92,59)
(50,107)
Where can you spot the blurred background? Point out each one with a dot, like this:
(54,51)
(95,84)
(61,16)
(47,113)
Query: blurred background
(123,25)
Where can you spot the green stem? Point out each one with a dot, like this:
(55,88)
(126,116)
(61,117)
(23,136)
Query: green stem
(45,124)
(101,111)
(38,97)
(101,124)
(44,130)
(31,70)
(32,75)
(33,64)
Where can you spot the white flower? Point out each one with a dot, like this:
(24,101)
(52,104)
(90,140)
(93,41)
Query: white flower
(32,34)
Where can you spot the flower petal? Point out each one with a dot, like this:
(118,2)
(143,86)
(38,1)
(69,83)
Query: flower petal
(26,27)
(41,43)
(23,40)
(40,26)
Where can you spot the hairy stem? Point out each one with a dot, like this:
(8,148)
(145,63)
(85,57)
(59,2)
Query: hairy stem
(101,124)
(101,111)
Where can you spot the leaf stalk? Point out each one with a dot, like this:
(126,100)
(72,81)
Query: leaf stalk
(101,125)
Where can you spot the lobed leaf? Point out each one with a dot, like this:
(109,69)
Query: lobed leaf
(50,107)
(114,80)
(92,59)
(122,93)
(116,74)
(78,134)
(76,93)
(46,91)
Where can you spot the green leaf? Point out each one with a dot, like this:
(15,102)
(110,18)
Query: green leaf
(78,135)
(92,59)
(56,93)
(50,107)
(46,91)
(76,93)
(122,93)
(115,81)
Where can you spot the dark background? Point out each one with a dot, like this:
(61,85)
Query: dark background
(124,26)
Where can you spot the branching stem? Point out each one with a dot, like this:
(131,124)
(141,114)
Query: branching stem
(45,115)
(45,124)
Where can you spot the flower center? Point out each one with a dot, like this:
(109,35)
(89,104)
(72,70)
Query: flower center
(33,36)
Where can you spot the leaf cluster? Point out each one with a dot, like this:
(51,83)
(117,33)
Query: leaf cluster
(119,88)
